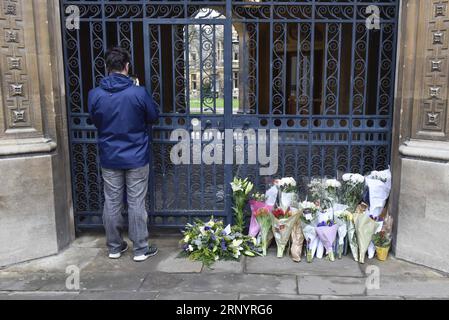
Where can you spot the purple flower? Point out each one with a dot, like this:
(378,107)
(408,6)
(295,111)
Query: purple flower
(213,238)
(328,223)
(185,247)
(223,245)
(206,228)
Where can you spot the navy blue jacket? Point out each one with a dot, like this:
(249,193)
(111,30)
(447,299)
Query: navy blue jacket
(121,112)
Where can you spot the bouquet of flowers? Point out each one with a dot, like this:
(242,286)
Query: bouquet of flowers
(325,192)
(332,187)
(327,232)
(287,188)
(241,188)
(379,186)
(352,189)
(210,241)
(341,217)
(308,220)
(371,248)
(297,237)
(317,190)
(256,202)
(264,220)
(365,228)
(382,241)
(309,210)
(351,234)
(282,223)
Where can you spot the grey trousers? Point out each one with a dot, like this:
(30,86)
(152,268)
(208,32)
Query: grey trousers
(136,183)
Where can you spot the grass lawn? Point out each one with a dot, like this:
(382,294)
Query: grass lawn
(195,104)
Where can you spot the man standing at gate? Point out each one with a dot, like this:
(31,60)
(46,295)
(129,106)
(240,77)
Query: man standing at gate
(121,111)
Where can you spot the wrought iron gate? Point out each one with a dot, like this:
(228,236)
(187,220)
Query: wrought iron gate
(311,69)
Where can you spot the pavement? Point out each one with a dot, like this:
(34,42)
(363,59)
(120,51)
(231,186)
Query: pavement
(166,276)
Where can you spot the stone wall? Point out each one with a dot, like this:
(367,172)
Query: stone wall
(421,145)
(35,195)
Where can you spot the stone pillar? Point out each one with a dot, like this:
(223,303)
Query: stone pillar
(421,167)
(36,218)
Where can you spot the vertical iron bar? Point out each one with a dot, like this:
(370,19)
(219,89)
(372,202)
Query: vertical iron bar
(326,57)
(352,90)
(161,87)
(214,66)
(298,69)
(311,95)
(228,101)
(340,31)
(173,62)
(379,70)
(201,66)
(286,92)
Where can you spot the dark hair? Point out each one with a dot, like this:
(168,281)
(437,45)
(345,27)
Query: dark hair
(116,59)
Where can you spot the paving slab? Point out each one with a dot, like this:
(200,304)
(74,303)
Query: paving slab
(412,286)
(174,264)
(111,281)
(181,296)
(166,242)
(15,281)
(226,266)
(256,296)
(90,239)
(38,295)
(328,297)
(418,297)
(324,285)
(395,267)
(270,264)
(166,276)
(220,282)
(72,256)
(116,295)
(97,239)
(126,263)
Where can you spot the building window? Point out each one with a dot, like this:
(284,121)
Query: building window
(194,81)
(220,51)
(236,55)
(235,79)
(193,56)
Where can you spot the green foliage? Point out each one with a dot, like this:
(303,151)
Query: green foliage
(241,189)
(211,241)
(382,240)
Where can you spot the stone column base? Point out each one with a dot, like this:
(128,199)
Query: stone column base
(31,211)
(423,217)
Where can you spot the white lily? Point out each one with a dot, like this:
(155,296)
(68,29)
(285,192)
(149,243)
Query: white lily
(236,243)
(227,230)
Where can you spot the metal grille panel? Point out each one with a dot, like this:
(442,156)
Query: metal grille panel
(311,69)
